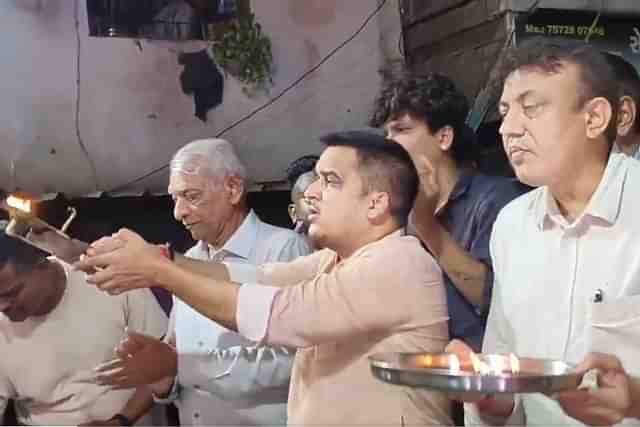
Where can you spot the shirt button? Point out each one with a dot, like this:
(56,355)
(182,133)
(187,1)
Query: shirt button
(200,343)
(196,415)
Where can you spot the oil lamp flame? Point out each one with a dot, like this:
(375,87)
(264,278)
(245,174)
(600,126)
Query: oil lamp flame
(479,366)
(514,363)
(454,364)
(495,365)
(18,203)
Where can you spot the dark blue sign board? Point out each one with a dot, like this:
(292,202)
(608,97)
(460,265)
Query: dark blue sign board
(618,34)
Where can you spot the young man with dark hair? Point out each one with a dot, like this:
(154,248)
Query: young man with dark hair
(456,206)
(566,264)
(301,166)
(337,306)
(54,329)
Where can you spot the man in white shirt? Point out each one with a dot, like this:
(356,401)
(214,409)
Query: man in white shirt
(300,175)
(54,329)
(222,378)
(565,256)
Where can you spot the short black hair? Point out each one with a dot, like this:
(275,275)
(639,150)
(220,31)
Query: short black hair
(384,165)
(550,56)
(23,256)
(299,166)
(432,98)
(628,81)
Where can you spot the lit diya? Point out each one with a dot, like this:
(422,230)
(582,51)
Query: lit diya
(481,373)
(24,223)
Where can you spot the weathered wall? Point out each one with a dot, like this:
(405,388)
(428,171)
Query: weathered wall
(133,115)
(456,37)
(462,38)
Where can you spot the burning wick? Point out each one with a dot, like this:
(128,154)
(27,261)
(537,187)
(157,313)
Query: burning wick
(454,364)
(495,365)
(515,363)
(20,204)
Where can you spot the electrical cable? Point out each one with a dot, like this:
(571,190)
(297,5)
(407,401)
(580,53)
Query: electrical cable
(274,99)
(83,147)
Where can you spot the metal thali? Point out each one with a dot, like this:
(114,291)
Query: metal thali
(444,372)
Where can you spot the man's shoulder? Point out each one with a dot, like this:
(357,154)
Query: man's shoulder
(498,188)
(399,249)
(520,208)
(275,233)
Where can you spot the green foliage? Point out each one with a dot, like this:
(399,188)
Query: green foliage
(244,51)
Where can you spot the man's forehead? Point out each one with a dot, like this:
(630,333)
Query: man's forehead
(535,80)
(337,159)
(403,117)
(182,182)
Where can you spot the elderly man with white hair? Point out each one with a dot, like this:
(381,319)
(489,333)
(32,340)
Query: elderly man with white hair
(215,376)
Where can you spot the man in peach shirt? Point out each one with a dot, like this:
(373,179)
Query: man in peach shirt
(372,289)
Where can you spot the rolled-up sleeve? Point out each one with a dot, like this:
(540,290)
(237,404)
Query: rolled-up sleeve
(254,310)
(354,298)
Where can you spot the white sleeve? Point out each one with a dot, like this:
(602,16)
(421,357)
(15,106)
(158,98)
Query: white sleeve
(245,370)
(242,372)
(498,338)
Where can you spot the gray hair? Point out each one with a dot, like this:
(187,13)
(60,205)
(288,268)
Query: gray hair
(215,157)
(303,181)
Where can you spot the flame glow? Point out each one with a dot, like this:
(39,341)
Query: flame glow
(22,204)
(479,366)
(454,364)
(427,360)
(495,365)
(514,363)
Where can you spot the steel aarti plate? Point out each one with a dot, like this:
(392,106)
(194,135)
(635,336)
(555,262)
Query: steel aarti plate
(443,372)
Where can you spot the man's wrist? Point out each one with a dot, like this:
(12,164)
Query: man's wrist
(161,268)
(429,229)
(496,407)
(634,409)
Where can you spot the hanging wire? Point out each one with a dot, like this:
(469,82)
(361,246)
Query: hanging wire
(83,147)
(274,99)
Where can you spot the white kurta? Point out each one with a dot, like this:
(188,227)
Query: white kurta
(547,273)
(47,362)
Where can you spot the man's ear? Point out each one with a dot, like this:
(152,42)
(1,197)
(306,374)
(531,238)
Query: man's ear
(445,137)
(379,204)
(292,212)
(598,116)
(626,115)
(234,186)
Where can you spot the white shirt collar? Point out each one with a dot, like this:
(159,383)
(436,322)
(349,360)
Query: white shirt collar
(604,204)
(242,240)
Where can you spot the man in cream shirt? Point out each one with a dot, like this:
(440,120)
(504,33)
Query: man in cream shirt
(54,329)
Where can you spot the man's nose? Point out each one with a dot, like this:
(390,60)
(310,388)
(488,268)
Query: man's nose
(511,125)
(180,210)
(313,191)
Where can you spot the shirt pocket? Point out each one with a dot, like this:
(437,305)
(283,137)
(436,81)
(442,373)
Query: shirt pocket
(615,328)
